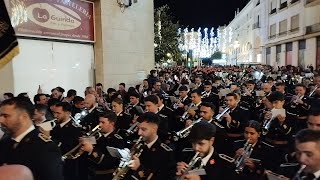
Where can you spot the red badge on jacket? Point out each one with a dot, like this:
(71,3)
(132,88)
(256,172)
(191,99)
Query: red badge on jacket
(211,161)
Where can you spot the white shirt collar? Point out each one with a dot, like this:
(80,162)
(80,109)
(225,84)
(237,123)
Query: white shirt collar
(198,104)
(92,108)
(22,135)
(207,158)
(107,134)
(183,99)
(151,143)
(317,174)
(161,107)
(64,123)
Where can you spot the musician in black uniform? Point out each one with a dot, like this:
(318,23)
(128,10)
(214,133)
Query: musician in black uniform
(235,120)
(92,119)
(157,159)
(194,108)
(135,108)
(151,105)
(183,103)
(299,107)
(209,96)
(207,112)
(249,94)
(261,157)
(66,134)
(78,105)
(281,87)
(25,145)
(165,110)
(202,137)
(102,163)
(280,130)
(123,119)
(314,120)
(308,154)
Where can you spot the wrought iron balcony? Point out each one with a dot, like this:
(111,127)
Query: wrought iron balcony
(273,11)
(284,5)
(313,28)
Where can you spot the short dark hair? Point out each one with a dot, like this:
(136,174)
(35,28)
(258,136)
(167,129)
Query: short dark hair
(152,98)
(10,95)
(110,115)
(149,117)
(99,84)
(209,105)
(110,90)
(20,103)
(232,94)
(254,124)
(37,97)
(196,91)
(66,107)
(202,131)
(78,99)
(207,83)
(71,92)
(134,94)
(276,96)
(60,89)
(41,108)
(52,102)
(250,82)
(123,84)
(117,100)
(308,135)
(280,84)
(183,88)
(301,85)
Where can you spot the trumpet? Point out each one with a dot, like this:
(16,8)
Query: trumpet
(133,129)
(75,152)
(219,116)
(186,114)
(294,103)
(299,172)
(195,163)
(313,91)
(184,132)
(176,105)
(239,162)
(266,126)
(123,168)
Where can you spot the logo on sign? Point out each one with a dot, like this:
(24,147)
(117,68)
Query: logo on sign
(53,16)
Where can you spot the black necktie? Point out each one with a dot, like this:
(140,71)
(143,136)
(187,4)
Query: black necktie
(13,144)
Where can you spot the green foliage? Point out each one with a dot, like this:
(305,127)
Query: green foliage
(216,55)
(166,38)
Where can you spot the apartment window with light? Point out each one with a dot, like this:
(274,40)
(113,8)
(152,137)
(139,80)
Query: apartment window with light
(294,23)
(283,28)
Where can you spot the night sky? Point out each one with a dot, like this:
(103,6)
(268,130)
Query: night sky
(202,13)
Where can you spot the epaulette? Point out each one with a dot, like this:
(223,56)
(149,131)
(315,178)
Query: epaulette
(169,108)
(118,136)
(163,116)
(187,150)
(243,108)
(100,109)
(165,147)
(226,158)
(44,137)
(241,140)
(267,144)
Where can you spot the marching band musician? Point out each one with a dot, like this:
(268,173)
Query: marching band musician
(135,108)
(316,94)
(314,120)
(299,106)
(194,108)
(249,94)
(151,105)
(307,144)
(123,119)
(164,110)
(267,89)
(183,102)
(102,163)
(202,137)
(235,120)
(199,84)
(280,87)
(24,144)
(261,151)
(209,96)
(65,134)
(280,129)
(157,159)
(92,119)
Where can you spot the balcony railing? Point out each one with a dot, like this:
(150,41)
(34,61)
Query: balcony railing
(282,33)
(313,28)
(294,30)
(312,2)
(272,36)
(273,11)
(256,25)
(284,5)
(294,1)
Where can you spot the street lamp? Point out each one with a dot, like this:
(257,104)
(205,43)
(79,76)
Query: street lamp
(236,46)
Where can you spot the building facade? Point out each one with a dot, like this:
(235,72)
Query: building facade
(122,50)
(283,32)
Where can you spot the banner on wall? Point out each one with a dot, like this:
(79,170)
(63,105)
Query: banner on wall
(8,40)
(53,19)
